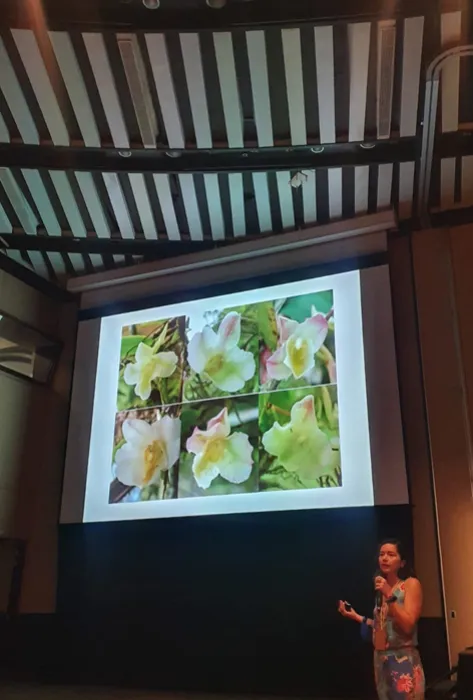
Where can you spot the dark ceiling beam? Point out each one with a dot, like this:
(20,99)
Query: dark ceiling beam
(217,160)
(105,246)
(453,144)
(454,217)
(194,15)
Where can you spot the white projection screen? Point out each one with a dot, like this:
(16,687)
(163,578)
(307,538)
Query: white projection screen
(271,399)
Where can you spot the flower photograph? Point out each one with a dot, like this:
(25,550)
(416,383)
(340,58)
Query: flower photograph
(145,455)
(151,364)
(219,448)
(222,353)
(297,342)
(299,439)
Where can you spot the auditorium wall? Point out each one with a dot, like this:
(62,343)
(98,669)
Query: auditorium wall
(33,425)
(443,261)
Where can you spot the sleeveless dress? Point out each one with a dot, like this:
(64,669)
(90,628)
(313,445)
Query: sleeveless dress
(398,668)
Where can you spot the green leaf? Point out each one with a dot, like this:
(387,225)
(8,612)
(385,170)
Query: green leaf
(130,344)
(300,308)
(161,338)
(125,396)
(189,418)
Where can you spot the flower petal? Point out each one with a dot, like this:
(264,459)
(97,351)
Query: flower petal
(275,365)
(211,339)
(137,432)
(264,356)
(168,430)
(237,367)
(204,471)
(164,364)
(238,461)
(143,353)
(229,330)
(314,329)
(300,355)
(216,427)
(303,413)
(197,353)
(286,327)
(221,422)
(129,466)
(132,374)
(143,387)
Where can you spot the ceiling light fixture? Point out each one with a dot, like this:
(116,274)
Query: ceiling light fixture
(151,4)
(216,4)
(298,180)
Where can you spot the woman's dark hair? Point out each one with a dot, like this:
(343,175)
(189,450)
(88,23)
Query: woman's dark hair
(406,571)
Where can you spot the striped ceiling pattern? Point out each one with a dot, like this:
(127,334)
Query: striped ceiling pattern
(296,86)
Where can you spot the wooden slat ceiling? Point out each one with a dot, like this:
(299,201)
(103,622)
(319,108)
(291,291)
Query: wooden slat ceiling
(256,88)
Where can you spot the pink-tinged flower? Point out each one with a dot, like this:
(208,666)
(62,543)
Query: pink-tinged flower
(148,451)
(298,344)
(300,446)
(216,356)
(219,453)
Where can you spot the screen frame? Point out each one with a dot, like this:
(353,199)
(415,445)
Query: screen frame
(70,514)
(242,284)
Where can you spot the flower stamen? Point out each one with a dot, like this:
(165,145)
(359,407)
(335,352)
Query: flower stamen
(154,456)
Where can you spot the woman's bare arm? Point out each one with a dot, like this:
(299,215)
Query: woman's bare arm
(406,616)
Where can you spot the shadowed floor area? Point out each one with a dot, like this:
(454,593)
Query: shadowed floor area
(52,692)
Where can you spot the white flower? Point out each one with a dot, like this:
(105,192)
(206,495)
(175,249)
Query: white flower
(298,344)
(216,356)
(149,366)
(219,453)
(148,451)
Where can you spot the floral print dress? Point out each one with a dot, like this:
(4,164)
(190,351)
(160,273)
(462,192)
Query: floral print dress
(398,668)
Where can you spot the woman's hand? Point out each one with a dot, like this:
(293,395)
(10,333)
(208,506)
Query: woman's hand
(382,585)
(350,614)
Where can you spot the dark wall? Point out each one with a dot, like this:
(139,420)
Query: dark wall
(230,603)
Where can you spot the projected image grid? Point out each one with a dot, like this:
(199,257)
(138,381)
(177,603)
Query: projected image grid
(236,400)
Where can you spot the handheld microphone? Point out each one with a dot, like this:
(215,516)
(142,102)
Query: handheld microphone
(378,595)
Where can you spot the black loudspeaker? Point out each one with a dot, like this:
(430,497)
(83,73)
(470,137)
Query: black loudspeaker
(465,675)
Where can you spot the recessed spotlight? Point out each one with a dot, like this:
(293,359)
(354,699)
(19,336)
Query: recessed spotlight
(173,154)
(216,4)
(124,154)
(151,4)
(367,146)
(317,149)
